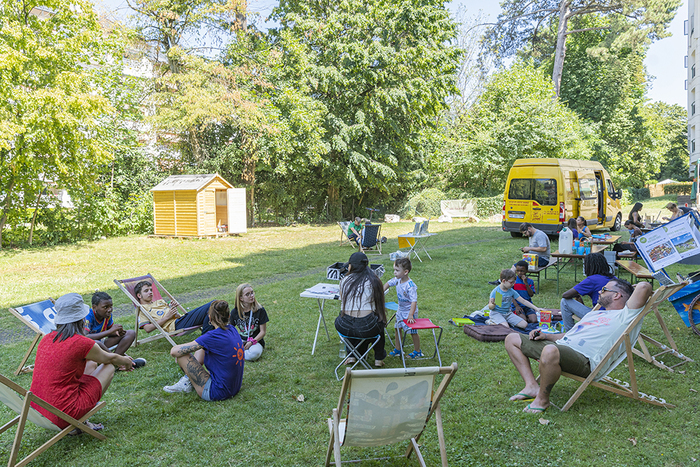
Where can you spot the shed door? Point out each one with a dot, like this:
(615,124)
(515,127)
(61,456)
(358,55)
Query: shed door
(237,220)
(209,211)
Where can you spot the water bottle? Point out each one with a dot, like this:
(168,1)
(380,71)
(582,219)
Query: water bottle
(565,241)
(341,353)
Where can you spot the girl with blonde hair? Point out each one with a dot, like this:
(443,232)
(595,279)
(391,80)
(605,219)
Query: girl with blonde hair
(251,320)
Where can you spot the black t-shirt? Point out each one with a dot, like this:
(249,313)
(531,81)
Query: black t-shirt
(259,317)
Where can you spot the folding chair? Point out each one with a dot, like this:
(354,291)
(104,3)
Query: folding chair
(11,394)
(39,318)
(387,407)
(344,233)
(600,379)
(355,352)
(127,286)
(371,239)
(422,323)
(611,257)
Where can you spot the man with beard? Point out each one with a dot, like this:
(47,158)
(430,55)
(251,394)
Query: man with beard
(581,349)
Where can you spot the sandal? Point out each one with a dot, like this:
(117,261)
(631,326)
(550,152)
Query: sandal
(395,353)
(416,354)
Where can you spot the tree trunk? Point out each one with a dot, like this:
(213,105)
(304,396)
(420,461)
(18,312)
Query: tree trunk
(36,211)
(560,52)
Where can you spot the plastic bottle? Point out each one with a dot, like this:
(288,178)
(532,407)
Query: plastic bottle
(565,241)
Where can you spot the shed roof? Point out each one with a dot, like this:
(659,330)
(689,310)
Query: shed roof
(188,182)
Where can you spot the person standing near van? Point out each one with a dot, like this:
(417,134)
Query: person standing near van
(539,243)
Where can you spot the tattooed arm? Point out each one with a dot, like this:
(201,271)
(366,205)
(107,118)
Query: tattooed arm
(184,349)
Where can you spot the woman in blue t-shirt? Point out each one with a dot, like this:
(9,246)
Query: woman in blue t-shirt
(220,351)
(598,274)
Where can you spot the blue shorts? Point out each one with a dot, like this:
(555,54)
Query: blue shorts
(205,391)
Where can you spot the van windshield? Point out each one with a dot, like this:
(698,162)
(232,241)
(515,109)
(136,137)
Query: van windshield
(542,190)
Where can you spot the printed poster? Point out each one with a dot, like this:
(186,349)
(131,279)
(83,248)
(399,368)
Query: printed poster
(670,243)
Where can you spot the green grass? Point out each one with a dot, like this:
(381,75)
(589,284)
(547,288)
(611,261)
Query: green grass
(265,424)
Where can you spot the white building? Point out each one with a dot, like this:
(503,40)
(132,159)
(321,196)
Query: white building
(693,82)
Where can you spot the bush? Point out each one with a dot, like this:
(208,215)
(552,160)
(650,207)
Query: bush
(639,193)
(487,207)
(424,204)
(678,188)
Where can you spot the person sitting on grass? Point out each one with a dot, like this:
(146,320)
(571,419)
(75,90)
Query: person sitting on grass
(580,350)
(407,294)
(525,287)
(500,300)
(220,351)
(598,274)
(100,327)
(251,320)
(72,372)
(166,314)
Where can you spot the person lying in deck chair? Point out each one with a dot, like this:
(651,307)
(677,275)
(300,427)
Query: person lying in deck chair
(581,349)
(166,313)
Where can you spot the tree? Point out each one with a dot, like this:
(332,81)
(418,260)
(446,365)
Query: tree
(514,118)
(50,105)
(382,70)
(630,22)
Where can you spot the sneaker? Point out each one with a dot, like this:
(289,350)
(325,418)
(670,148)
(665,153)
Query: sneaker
(379,363)
(139,362)
(416,354)
(395,353)
(350,361)
(184,385)
(494,282)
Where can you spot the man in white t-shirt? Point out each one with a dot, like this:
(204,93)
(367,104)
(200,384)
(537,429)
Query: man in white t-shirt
(581,349)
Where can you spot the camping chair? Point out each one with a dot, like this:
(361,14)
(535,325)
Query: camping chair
(11,394)
(422,323)
(611,257)
(371,239)
(127,286)
(39,318)
(386,407)
(344,233)
(629,336)
(355,352)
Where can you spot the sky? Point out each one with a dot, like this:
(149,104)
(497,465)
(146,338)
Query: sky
(664,62)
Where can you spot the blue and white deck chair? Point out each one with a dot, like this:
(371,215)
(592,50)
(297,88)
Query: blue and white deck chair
(371,239)
(39,317)
(386,407)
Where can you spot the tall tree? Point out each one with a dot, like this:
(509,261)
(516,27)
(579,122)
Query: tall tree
(382,69)
(50,105)
(631,23)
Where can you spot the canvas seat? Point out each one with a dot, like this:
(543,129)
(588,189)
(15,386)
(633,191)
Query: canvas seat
(386,407)
(39,317)
(344,233)
(628,337)
(127,286)
(371,239)
(422,324)
(19,401)
(354,352)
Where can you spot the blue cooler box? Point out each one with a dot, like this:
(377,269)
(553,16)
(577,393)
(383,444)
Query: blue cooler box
(681,302)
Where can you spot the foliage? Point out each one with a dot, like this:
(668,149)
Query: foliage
(487,207)
(678,188)
(514,118)
(382,71)
(639,193)
(675,160)
(423,204)
(51,104)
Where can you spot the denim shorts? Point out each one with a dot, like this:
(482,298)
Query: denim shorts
(205,391)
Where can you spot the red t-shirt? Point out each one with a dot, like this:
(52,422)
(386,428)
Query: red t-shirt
(59,380)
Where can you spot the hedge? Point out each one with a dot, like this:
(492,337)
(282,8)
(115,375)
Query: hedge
(678,188)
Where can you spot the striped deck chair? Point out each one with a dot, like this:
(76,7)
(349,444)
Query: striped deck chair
(127,286)
(39,318)
(386,407)
(19,401)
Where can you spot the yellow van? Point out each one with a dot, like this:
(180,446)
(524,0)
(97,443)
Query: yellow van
(548,192)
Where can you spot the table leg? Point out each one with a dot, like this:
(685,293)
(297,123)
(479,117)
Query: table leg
(321,303)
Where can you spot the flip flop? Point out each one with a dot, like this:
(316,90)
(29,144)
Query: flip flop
(94,426)
(526,398)
(536,409)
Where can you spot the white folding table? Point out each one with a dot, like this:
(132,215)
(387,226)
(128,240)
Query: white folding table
(415,241)
(321,292)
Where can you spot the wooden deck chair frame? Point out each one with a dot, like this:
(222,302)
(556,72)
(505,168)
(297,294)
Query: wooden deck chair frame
(21,404)
(335,421)
(34,327)
(670,350)
(161,332)
(344,233)
(627,338)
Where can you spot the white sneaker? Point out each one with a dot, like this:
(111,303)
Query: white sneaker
(184,385)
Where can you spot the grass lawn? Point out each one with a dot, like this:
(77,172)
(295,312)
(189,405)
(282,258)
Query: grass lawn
(265,425)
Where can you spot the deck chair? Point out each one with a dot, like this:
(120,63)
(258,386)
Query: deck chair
(18,400)
(371,239)
(628,337)
(344,233)
(386,407)
(127,286)
(39,318)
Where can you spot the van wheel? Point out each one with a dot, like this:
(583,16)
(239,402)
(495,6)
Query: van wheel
(516,234)
(618,223)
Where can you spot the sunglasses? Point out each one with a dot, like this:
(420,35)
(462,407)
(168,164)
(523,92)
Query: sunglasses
(605,289)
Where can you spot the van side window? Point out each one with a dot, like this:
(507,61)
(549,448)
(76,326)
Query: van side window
(611,189)
(544,190)
(587,188)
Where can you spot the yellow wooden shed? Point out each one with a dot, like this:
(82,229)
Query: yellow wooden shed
(199,205)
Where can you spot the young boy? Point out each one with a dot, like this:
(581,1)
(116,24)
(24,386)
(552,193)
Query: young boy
(501,298)
(407,293)
(100,327)
(526,289)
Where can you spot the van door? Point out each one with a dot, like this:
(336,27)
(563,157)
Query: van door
(588,196)
(600,191)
